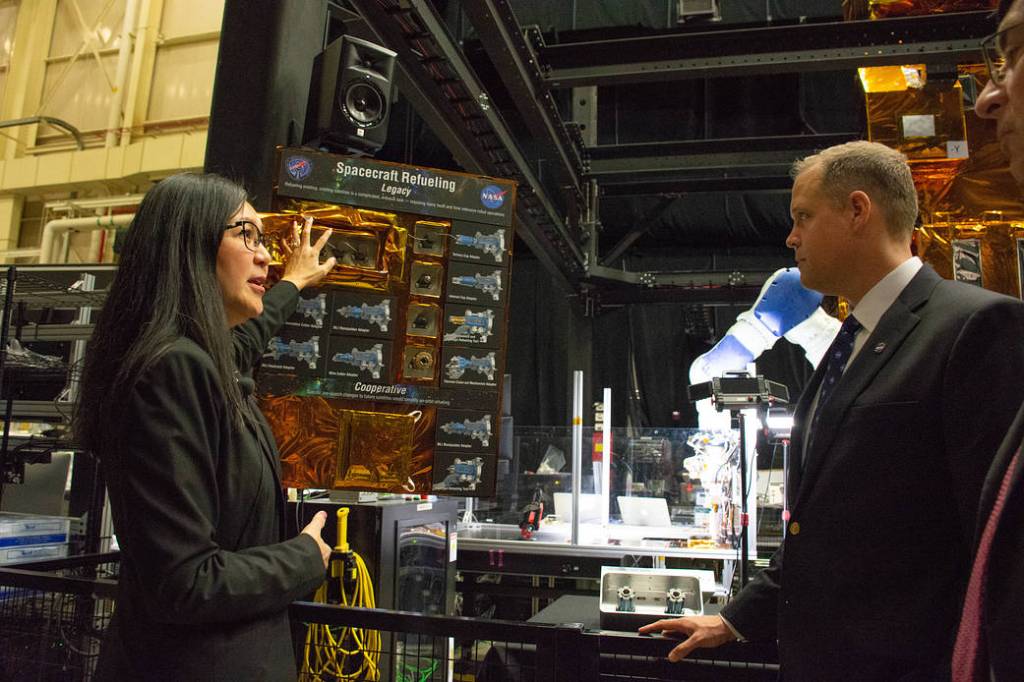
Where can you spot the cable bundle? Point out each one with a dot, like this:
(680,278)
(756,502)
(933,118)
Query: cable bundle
(343,652)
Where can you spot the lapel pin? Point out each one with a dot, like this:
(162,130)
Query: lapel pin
(879,347)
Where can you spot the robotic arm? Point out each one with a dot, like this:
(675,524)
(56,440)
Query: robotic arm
(784,309)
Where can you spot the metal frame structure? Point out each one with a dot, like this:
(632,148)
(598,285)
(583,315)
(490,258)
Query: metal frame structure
(825,46)
(446,91)
(518,66)
(703,165)
(434,75)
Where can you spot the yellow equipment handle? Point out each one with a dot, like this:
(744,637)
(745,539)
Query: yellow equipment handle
(342,545)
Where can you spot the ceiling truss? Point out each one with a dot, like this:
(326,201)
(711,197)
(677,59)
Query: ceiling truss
(435,75)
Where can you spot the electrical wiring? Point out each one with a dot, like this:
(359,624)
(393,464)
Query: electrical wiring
(341,652)
(411,673)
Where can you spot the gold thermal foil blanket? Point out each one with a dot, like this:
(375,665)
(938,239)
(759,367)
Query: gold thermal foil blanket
(369,245)
(344,445)
(880,9)
(985,253)
(922,119)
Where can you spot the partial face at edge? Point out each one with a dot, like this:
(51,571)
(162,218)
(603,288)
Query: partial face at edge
(1004,103)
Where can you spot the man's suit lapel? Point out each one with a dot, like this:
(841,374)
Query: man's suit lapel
(892,330)
(799,443)
(1014,439)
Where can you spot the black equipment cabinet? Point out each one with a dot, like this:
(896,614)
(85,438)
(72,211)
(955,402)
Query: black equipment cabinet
(408,547)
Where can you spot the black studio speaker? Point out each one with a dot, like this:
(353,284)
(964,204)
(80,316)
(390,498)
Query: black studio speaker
(350,97)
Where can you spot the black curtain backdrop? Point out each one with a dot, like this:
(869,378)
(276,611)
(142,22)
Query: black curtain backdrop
(659,340)
(537,356)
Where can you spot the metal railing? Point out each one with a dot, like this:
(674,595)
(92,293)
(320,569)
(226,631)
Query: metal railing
(53,615)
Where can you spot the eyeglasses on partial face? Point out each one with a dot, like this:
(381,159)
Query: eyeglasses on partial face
(252,235)
(1000,54)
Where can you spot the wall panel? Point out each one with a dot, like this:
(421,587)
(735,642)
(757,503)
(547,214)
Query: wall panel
(188,17)
(103,15)
(8,16)
(182,85)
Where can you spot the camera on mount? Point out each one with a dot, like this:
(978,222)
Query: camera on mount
(739,392)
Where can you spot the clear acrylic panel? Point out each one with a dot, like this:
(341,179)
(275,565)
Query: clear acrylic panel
(671,488)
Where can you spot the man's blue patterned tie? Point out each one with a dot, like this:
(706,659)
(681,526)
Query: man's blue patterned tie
(837,357)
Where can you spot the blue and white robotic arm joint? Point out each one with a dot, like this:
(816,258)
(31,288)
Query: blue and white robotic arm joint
(785,308)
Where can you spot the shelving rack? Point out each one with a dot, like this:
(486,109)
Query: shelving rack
(32,296)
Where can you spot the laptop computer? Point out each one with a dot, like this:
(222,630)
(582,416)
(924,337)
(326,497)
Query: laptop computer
(644,511)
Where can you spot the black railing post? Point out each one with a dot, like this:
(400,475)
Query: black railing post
(573,655)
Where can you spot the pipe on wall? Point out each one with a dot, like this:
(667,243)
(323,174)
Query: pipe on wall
(61,226)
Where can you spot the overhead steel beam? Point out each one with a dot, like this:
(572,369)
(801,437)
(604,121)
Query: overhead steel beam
(633,235)
(502,38)
(763,143)
(530,187)
(444,90)
(685,185)
(623,245)
(833,46)
(707,287)
(697,159)
(708,296)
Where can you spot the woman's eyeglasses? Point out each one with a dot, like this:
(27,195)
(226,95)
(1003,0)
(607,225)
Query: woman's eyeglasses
(252,235)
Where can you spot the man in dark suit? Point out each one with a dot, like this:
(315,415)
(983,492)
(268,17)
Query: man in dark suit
(989,644)
(893,437)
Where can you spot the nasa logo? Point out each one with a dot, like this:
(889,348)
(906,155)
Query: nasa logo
(492,196)
(299,167)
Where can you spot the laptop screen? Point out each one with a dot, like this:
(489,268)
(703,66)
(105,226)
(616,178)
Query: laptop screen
(644,511)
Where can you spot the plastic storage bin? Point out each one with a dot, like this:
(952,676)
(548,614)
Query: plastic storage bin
(21,530)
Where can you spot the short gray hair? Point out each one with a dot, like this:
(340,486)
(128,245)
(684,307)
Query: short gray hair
(880,171)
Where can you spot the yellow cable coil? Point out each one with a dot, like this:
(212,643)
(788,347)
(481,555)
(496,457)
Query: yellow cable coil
(342,652)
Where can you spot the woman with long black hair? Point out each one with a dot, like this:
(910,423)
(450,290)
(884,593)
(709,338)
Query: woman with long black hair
(190,464)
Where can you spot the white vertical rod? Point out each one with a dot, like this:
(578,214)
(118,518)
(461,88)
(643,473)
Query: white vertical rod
(577,451)
(606,457)
(749,486)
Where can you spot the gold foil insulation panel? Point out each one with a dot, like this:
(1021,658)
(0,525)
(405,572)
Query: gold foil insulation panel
(352,445)
(922,119)
(985,253)
(971,211)
(877,79)
(881,9)
(969,203)
(374,450)
(968,189)
(369,246)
